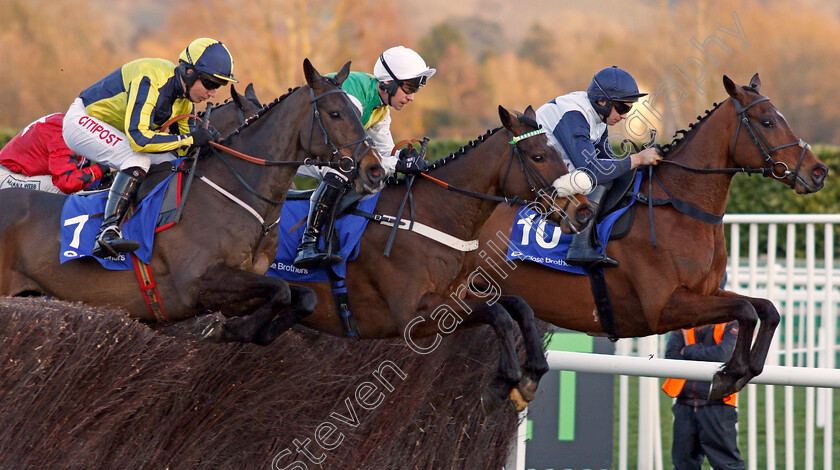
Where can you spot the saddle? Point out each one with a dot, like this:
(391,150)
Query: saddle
(619,196)
(341,296)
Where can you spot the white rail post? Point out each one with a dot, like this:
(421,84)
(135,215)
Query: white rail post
(830,323)
(789,313)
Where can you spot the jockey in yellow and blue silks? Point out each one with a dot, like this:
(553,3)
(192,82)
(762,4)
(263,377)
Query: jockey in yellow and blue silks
(577,124)
(117,122)
(398,74)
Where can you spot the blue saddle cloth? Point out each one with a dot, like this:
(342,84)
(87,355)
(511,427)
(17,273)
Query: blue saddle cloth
(534,240)
(81,217)
(349,228)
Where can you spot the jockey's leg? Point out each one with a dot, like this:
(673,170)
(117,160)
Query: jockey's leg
(109,241)
(582,251)
(321,211)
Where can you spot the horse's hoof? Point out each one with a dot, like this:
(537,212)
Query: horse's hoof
(722,386)
(527,388)
(213,333)
(517,400)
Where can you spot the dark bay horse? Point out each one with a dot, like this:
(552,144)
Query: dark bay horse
(215,258)
(675,285)
(411,293)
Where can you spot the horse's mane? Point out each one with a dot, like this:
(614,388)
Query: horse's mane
(224,103)
(678,139)
(264,109)
(392,180)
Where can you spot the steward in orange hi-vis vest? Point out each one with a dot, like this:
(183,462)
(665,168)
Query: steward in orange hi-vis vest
(673,387)
(703,428)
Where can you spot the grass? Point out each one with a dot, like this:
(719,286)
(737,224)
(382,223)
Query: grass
(779,423)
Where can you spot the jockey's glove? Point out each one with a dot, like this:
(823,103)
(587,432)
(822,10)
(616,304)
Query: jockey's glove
(410,162)
(201,136)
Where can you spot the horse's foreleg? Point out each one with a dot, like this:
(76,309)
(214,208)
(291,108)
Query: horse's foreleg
(535,365)
(304,301)
(770,319)
(686,310)
(508,373)
(238,293)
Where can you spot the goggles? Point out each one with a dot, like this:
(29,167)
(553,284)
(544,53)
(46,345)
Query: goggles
(413,85)
(209,82)
(622,107)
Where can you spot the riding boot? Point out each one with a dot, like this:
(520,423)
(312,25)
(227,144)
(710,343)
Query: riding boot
(321,211)
(109,241)
(582,251)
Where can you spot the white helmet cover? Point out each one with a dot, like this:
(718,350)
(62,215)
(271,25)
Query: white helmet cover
(404,63)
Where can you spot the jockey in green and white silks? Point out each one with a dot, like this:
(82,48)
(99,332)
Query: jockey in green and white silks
(397,76)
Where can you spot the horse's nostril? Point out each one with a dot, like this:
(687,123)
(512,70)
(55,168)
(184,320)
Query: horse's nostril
(819,173)
(375,173)
(584,214)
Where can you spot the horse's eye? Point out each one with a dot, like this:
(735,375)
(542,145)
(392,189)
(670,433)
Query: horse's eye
(538,157)
(335,115)
(767,123)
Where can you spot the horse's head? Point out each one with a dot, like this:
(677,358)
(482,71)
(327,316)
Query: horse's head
(336,131)
(544,176)
(763,139)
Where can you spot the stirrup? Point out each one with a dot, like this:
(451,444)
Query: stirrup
(596,260)
(110,243)
(316,260)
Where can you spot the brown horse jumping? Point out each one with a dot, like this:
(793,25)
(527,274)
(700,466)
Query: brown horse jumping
(215,257)
(675,285)
(411,293)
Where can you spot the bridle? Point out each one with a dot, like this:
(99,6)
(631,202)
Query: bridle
(765,149)
(769,168)
(345,164)
(537,182)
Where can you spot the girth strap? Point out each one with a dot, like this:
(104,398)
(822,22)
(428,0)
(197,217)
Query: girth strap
(420,229)
(343,307)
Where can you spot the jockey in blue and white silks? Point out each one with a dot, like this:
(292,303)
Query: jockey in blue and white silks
(577,125)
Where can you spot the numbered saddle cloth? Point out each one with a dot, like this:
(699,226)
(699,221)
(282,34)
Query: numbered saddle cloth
(81,217)
(532,239)
(348,227)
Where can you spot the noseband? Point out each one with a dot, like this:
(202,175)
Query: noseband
(764,147)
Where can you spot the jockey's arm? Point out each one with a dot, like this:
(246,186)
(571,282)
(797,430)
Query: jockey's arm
(572,131)
(380,133)
(140,109)
(63,165)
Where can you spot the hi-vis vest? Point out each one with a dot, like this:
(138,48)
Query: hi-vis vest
(673,387)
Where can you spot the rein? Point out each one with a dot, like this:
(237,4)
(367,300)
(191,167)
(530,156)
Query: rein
(346,164)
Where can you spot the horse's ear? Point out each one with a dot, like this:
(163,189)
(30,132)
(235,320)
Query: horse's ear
(530,113)
(730,86)
(237,98)
(506,117)
(251,94)
(343,73)
(313,78)
(755,83)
